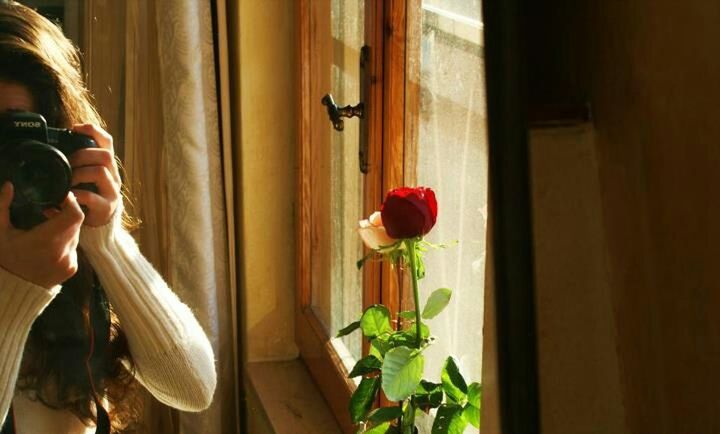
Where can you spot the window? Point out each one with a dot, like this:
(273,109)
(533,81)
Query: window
(424,93)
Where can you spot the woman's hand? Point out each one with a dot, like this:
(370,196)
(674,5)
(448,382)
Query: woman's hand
(96,166)
(45,255)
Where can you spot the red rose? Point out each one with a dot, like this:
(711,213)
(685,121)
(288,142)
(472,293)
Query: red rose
(409,212)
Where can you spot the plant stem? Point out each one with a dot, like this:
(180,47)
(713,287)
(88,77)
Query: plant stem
(412,246)
(401,284)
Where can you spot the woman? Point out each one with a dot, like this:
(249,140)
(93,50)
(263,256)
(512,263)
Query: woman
(82,313)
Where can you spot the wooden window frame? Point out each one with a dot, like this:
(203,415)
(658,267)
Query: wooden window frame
(385,29)
(393,127)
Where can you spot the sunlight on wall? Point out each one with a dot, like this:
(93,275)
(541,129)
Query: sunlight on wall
(268,158)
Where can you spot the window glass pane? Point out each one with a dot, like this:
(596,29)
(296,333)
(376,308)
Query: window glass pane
(451,157)
(338,300)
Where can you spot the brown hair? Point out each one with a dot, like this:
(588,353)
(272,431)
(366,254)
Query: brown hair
(35,53)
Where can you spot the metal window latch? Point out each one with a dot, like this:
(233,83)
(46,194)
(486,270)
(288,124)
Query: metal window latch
(336,113)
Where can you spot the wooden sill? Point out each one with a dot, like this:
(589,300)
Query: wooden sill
(282,399)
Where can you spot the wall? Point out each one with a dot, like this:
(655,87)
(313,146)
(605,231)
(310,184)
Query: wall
(650,70)
(655,88)
(578,363)
(266,121)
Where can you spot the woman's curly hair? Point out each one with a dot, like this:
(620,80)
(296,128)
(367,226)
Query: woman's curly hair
(35,53)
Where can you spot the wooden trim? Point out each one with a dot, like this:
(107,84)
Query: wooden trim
(393,131)
(394,126)
(303,97)
(326,367)
(315,347)
(372,271)
(384,35)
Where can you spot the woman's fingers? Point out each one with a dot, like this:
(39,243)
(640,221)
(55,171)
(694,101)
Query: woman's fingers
(101,177)
(101,137)
(66,221)
(95,157)
(98,210)
(92,201)
(96,166)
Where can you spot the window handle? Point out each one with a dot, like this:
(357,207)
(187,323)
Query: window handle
(336,113)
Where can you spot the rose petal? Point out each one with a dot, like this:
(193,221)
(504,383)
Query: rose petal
(409,212)
(376,219)
(375,237)
(364,223)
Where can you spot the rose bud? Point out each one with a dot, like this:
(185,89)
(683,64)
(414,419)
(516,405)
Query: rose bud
(373,232)
(409,212)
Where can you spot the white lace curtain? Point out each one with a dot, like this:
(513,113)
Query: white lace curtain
(174,161)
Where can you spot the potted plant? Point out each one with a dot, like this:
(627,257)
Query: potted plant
(395,363)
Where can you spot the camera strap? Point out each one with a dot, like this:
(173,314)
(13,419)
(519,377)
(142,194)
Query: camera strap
(9,425)
(103,419)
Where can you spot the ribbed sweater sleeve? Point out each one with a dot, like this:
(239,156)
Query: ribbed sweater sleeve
(21,302)
(172,354)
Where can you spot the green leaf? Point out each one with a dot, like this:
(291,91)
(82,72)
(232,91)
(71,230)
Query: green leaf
(383,428)
(366,365)
(349,329)
(436,302)
(379,346)
(428,395)
(373,351)
(449,420)
(376,321)
(407,314)
(424,331)
(402,338)
(384,414)
(362,399)
(453,382)
(474,394)
(471,412)
(401,372)
(472,415)
(408,420)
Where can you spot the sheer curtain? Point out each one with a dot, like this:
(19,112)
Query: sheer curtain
(174,161)
(449,153)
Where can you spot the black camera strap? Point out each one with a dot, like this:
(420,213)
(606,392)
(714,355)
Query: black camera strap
(102,334)
(9,425)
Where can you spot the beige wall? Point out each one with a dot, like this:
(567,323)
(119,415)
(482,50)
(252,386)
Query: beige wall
(267,160)
(650,248)
(656,87)
(578,364)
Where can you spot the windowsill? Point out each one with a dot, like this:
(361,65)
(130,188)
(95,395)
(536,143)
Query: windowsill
(284,400)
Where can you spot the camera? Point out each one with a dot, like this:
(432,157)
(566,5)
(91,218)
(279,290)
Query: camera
(34,157)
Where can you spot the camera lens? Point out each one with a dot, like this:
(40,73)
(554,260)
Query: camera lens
(41,175)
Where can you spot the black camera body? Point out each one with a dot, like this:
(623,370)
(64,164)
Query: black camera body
(34,157)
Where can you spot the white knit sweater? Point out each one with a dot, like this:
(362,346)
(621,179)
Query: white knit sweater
(172,354)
